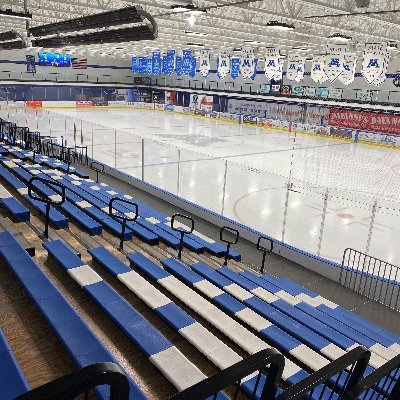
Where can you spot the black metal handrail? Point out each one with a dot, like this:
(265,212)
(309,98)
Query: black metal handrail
(82,154)
(93,167)
(125,218)
(181,230)
(82,381)
(68,156)
(226,240)
(232,376)
(49,202)
(318,385)
(371,277)
(265,250)
(381,384)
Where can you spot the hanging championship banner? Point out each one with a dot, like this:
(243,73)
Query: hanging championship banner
(156,62)
(235,67)
(334,60)
(279,73)
(169,63)
(224,64)
(247,62)
(301,63)
(142,66)
(178,66)
(317,68)
(30,64)
(205,62)
(381,78)
(192,72)
(134,65)
(349,69)
(255,69)
(149,66)
(186,61)
(292,66)
(271,62)
(375,61)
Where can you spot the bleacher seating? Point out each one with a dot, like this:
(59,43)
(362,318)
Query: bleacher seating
(166,357)
(202,339)
(226,314)
(284,314)
(77,338)
(300,299)
(12,380)
(14,207)
(58,219)
(93,199)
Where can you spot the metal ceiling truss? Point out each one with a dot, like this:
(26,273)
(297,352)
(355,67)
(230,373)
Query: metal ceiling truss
(226,24)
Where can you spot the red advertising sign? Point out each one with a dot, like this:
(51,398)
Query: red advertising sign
(84,103)
(34,104)
(375,122)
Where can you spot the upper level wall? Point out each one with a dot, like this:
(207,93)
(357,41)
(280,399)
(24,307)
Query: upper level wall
(13,67)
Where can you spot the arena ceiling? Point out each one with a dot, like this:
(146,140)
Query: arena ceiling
(227,23)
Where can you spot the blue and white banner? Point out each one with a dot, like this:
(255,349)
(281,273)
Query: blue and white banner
(205,62)
(169,63)
(235,67)
(335,53)
(375,62)
(134,65)
(293,64)
(142,65)
(318,68)
(224,63)
(349,69)
(301,64)
(247,62)
(279,73)
(30,64)
(186,61)
(381,78)
(149,65)
(271,62)
(255,69)
(192,72)
(156,61)
(178,66)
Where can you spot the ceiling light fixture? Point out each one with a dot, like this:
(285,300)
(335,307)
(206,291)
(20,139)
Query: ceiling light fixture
(338,37)
(195,44)
(191,33)
(13,14)
(300,48)
(253,42)
(177,8)
(282,26)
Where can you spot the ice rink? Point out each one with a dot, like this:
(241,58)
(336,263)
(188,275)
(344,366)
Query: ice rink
(320,195)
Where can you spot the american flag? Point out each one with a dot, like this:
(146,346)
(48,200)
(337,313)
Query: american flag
(79,63)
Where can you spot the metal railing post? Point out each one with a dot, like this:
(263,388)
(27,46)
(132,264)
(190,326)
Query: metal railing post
(125,217)
(96,169)
(49,202)
(265,250)
(228,242)
(181,230)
